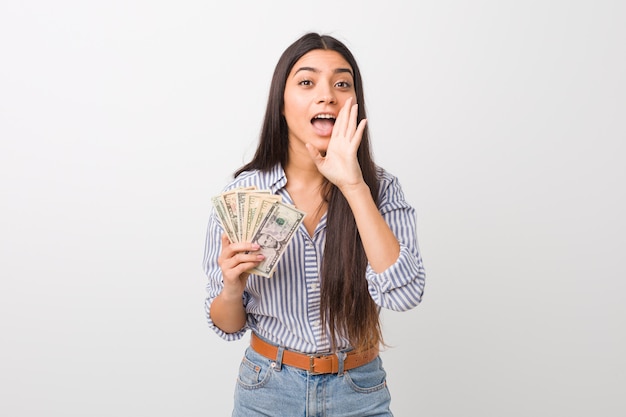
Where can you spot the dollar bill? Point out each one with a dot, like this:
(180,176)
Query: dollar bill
(256,208)
(220,209)
(231,206)
(252,215)
(274,234)
(243,208)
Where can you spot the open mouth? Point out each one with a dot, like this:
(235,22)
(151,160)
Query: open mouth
(323,123)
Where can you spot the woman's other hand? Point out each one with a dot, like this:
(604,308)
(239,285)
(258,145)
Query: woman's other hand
(340,164)
(234,261)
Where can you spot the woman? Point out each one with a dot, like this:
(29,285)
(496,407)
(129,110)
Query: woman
(315,323)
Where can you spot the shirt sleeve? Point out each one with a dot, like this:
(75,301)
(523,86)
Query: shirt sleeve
(212,249)
(401,286)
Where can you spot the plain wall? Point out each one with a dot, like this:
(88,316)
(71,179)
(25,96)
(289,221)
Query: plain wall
(504,120)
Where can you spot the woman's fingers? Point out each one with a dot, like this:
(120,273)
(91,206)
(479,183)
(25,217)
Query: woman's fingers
(237,258)
(358,135)
(354,111)
(346,126)
(228,249)
(342,121)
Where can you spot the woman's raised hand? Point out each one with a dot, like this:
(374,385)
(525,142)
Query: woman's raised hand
(340,164)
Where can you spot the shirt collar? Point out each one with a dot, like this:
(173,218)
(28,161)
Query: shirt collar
(276,178)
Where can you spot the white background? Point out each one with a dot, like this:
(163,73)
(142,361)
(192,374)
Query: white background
(505,122)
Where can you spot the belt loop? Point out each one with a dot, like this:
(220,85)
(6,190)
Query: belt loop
(279,358)
(341,356)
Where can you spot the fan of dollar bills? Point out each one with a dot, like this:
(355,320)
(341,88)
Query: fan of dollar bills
(252,215)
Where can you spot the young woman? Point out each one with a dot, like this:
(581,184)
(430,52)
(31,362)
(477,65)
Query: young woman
(315,322)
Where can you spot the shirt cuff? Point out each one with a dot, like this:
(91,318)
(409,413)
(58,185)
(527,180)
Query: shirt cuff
(403,272)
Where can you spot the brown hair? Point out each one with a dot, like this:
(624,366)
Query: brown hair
(346,304)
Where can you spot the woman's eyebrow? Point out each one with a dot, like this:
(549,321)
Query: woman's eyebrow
(336,71)
(340,70)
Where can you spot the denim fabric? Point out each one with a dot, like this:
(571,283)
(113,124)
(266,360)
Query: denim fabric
(268,388)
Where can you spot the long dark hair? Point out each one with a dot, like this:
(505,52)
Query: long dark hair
(346,304)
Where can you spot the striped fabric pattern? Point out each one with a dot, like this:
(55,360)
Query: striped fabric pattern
(285,309)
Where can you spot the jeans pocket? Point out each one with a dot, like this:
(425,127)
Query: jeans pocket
(367,378)
(254,371)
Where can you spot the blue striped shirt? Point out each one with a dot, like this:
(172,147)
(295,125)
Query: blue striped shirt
(285,308)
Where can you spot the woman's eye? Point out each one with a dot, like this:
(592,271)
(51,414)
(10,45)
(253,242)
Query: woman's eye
(305,82)
(343,84)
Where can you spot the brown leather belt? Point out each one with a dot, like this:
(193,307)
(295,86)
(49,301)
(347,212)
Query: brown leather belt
(315,364)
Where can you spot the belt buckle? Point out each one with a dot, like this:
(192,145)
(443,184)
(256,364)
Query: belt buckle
(312,364)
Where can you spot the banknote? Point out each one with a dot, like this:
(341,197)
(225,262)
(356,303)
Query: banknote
(244,207)
(231,208)
(256,208)
(220,209)
(273,235)
(252,215)
(229,202)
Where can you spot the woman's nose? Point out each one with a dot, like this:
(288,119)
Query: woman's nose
(326,96)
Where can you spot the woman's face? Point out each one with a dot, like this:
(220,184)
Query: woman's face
(317,87)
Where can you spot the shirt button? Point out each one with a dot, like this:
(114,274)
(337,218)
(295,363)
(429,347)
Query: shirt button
(316,323)
(314,286)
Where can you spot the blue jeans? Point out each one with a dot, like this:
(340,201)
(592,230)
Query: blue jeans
(269,388)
